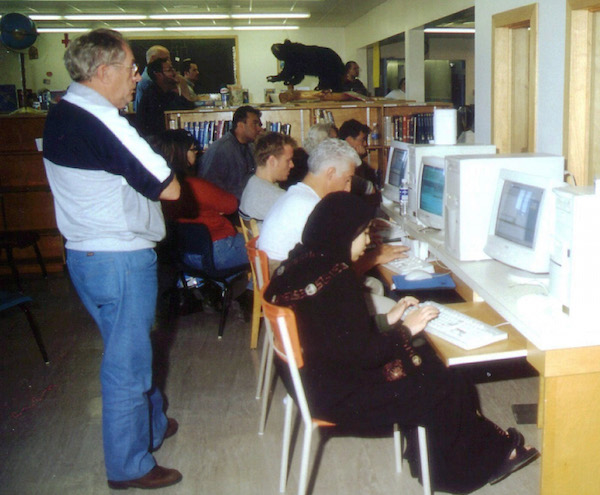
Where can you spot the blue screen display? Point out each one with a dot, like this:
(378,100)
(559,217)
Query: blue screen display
(432,190)
(397,166)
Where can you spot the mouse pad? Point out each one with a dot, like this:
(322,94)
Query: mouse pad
(441,281)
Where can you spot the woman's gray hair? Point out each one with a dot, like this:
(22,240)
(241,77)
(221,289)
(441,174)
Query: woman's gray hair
(316,134)
(332,152)
(91,50)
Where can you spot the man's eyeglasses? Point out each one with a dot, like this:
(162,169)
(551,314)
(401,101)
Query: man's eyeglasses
(133,67)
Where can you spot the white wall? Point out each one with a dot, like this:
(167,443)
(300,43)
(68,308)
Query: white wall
(398,16)
(551,67)
(256,61)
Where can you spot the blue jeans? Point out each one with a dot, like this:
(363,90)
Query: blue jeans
(119,290)
(227,252)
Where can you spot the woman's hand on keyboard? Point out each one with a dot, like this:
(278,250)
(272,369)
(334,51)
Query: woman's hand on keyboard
(417,320)
(395,314)
(389,252)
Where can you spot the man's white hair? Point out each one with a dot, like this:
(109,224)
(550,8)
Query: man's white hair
(316,134)
(156,51)
(332,152)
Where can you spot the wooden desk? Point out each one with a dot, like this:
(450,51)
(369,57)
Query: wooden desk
(515,346)
(567,357)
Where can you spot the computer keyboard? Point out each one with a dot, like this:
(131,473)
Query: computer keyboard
(402,266)
(462,330)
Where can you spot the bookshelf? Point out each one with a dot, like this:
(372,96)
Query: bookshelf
(25,195)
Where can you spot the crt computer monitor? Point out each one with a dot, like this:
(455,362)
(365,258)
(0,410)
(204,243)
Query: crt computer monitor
(430,192)
(396,171)
(520,233)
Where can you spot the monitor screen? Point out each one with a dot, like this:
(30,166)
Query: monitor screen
(432,189)
(430,192)
(397,166)
(522,222)
(518,212)
(397,170)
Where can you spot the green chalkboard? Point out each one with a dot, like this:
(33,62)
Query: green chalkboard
(216,58)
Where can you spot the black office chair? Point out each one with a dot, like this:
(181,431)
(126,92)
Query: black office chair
(11,299)
(194,238)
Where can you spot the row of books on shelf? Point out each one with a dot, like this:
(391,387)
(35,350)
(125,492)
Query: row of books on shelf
(323,117)
(207,132)
(278,127)
(416,128)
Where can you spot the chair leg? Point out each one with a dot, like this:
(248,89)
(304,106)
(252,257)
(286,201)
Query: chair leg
(226,293)
(285,447)
(262,366)
(303,481)
(424,457)
(268,381)
(397,448)
(40,260)
(255,318)
(13,267)
(36,332)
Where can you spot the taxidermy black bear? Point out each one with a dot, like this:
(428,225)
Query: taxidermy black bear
(308,60)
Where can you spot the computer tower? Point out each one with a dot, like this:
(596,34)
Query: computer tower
(469,196)
(418,151)
(575,257)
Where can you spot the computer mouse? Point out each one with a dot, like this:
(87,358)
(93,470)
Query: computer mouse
(417,275)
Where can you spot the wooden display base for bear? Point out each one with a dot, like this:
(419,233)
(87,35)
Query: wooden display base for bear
(305,96)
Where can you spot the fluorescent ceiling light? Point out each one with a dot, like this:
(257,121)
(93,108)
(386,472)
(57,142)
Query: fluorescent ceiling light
(63,30)
(264,28)
(198,28)
(289,15)
(39,17)
(450,30)
(188,16)
(141,28)
(106,17)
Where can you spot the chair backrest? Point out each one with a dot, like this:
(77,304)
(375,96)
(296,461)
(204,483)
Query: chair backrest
(195,238)
(259,263)
(286,344)
(249,226)
(285,333)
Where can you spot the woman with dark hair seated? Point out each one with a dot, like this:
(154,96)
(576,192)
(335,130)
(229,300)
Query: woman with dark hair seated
(363,372)
(200,201)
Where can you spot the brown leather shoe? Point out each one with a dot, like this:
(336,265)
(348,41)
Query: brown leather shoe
(172,427)
(158,477)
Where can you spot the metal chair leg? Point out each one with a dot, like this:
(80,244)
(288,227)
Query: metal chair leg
(36,332)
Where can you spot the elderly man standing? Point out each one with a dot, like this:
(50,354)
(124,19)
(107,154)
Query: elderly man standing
(274,154)
(229,162)
(106,182)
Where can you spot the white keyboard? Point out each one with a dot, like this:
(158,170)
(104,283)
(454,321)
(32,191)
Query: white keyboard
(402,266)
(461,330)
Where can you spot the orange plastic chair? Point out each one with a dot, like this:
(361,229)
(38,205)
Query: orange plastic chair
(250,232)
(260,271)
(286,344)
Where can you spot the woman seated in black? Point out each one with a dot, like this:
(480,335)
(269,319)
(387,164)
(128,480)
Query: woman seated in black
(361,371)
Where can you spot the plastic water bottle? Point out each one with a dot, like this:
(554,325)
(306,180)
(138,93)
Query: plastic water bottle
(403,196)
(375,134)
